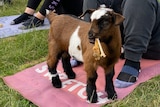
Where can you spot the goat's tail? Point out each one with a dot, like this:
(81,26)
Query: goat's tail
(50,15)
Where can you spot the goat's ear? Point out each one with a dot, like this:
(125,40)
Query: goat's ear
(118,19)
(90,11)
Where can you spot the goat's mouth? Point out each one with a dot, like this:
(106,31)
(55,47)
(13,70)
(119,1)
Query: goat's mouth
(92,41)
(91,37)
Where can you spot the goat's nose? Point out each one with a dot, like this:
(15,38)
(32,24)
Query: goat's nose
(91,36)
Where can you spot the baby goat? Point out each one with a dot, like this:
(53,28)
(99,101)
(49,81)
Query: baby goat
(69,36)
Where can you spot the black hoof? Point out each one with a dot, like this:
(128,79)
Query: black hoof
(56,82)
(71,75)
(93,98)
(112,96)
(91,93)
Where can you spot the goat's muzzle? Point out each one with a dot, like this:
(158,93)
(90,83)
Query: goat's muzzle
(91,36)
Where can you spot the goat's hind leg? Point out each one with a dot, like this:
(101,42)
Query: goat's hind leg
(109,85)
(67,66)
(52,61)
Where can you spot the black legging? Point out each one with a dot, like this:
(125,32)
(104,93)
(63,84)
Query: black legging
(61,6)
(74,7)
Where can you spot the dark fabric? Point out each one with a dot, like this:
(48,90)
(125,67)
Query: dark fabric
(126,77)
(141,29)
(23,17)
(116,6)
(61,6)
(133,64)
(33,22)
(48,4)
(73,7)
(33,4)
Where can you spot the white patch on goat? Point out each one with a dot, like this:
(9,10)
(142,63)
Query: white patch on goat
(97,14)
(74,43)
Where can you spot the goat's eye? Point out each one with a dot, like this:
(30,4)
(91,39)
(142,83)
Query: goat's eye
(102,23)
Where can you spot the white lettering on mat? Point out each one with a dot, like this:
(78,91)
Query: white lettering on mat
(72,85)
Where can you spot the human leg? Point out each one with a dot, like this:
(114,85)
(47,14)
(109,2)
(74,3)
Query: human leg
(73,7)
(138,27)
(28,13)
(38,18)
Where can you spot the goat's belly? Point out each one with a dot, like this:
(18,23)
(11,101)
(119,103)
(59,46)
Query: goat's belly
(74,48)
(75,53)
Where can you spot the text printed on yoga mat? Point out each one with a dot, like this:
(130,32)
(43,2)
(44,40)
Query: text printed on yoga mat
(72,85)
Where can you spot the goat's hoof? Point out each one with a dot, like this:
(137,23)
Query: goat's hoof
(112,96)
(93,98)
(56,82)
(91,93)
(71,75)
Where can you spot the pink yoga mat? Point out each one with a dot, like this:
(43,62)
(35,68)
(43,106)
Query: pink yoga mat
(34,84)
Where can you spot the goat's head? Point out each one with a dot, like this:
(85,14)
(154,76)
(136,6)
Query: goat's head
(102,20)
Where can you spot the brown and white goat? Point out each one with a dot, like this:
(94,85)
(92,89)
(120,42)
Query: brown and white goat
(69,36)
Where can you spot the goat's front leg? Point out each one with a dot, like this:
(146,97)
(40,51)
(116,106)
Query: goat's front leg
(67,66)
(109,88)
(91,87)
(91,84)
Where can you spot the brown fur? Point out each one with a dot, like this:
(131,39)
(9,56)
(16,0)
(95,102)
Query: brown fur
(62,27)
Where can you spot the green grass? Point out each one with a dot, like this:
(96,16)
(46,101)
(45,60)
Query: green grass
(25,50)
(17,7)
(18,53)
